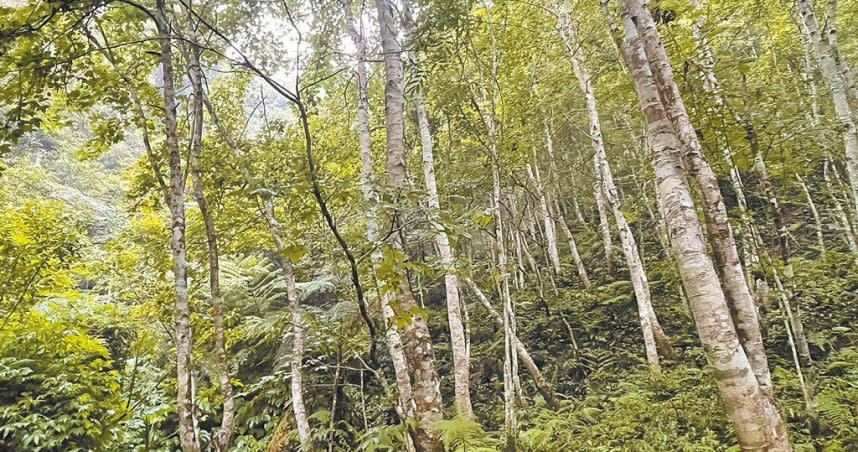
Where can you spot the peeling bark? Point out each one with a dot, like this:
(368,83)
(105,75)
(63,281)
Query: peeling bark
(756,420)
(417,340)
(461,360)
(188,433)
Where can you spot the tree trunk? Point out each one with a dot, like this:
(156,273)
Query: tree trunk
(370,197)
(418,342)
(188,433)
(296,380)
(824,54)
(220,439)
(780,228)
(508,324)
(711,85)
(545,207)
(573,247)
(734,284)
(650,326)
(843,68)
(604,225)
(538,379)
(758,424)
(461,360)
(817,220)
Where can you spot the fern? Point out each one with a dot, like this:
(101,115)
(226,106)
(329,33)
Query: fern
(464,435)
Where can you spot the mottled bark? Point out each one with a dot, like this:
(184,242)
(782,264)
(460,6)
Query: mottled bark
(188,434)
(650,326)
(461,360)
(220,438)
(370,198)
(758,424)
(296,380)
(417,341)
(733,281)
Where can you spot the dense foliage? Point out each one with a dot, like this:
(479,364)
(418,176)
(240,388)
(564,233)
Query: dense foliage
(263,153)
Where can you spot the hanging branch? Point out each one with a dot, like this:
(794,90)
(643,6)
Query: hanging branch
(294,97)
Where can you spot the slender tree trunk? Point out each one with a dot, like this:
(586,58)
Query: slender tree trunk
(188,433)
(461,360)
(839,210)
(538,379)
(780,228)
(220,439)
(573,247)
(711,85)
(757,424)
(296,380)
(418,342)
(510,421)
(734,283)
(824,54)
(604,224)
(502,281)
(817,220)
(370,197)
(518,276)
(545,207)
(650,326)
(831,33)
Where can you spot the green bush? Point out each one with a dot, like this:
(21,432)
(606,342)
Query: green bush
(57,389)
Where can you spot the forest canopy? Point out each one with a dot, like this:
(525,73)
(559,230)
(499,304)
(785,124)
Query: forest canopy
(428,225)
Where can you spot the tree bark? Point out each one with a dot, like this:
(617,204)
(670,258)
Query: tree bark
(780,228)
(296,380)
(824,54)
(650,326)
(188,433)
(461,360)
(831,33)
(220,439)
(758,424)
(539,380)
(573,247)
(508,324)
(418,342)
(370,197)
(817,220)
(734,284)
(545,207)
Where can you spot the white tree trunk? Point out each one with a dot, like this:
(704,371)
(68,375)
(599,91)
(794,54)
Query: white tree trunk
(461,360)
(545,207)
(720,235)
(637,273)
(573,247)
(538,379)
(370,197)
(817,220)
(757,426)
(824,54)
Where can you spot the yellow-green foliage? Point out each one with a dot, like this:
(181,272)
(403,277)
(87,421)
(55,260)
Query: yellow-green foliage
(57,389)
